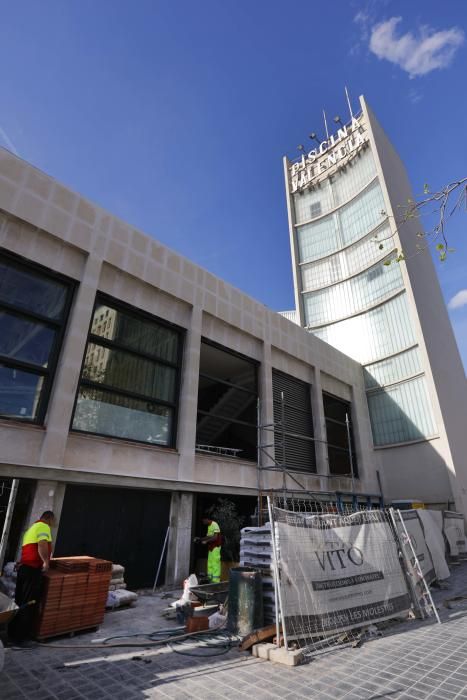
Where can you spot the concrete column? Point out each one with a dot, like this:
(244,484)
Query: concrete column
(266,415)
(67,377)
(319,425)
(179,546)
(188,402)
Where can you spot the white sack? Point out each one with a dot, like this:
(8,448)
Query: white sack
(115,599)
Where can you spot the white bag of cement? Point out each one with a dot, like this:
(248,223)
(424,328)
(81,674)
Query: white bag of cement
(216,620)
(432,524)
(115,599)
(117,586)
(7,586)
(118,571)
(187,596)
(9,570)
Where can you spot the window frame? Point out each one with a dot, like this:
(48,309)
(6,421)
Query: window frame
(310,439)
(252,361)
(58,326)
(327,419)
(108,300)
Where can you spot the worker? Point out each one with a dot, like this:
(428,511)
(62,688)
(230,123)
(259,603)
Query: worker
(213,540)
(36,551)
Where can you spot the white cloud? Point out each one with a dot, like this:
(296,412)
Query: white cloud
(458,300)
(417,55)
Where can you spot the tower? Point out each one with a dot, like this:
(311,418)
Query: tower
(345,201)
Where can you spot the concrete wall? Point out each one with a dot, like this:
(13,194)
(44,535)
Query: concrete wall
(43,221)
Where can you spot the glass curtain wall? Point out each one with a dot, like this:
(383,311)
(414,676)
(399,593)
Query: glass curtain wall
(354,296)
(34,308)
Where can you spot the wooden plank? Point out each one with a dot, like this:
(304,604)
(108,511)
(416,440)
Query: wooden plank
(260,635)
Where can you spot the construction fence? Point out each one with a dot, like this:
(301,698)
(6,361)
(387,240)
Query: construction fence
(330,576)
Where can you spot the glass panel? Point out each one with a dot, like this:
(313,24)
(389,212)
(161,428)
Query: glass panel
(222,365)
(139,334)
(123,370)
(358,173)
(322,273)
(348,262)
(313,203)
(24,340)
(361,255)
(374,334)
(32,291)
(401,413)
(317,240)
(392,369)
(353,295)
(362,214)
(119,416)
(19,393)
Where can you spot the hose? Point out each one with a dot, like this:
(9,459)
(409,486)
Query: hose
(151,641)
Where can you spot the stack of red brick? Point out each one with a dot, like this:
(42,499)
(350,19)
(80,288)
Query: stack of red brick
(75,593)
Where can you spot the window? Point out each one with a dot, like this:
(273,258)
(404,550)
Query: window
(294,446)
(401,413)
(362,214)
(373,335)
(392,369)
(358,173)
(130,377)
(227,400)
(306,200)
(352,295)
(34,307)
(315,210)
(318,240)
(342,456)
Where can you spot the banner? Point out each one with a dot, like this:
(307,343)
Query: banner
(432,523)
(453,528)
(337,572)
(417,538)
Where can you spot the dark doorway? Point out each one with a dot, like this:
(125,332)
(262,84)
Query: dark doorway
(127,526)
(19,521)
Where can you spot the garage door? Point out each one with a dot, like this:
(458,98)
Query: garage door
(127,526)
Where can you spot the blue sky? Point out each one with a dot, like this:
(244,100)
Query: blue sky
(175,115)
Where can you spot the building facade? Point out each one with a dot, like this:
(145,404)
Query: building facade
(130,380)
(346,202)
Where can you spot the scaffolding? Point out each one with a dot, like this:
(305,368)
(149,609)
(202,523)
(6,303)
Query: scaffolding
(291,487)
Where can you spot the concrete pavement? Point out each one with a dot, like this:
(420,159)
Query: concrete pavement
(413,660)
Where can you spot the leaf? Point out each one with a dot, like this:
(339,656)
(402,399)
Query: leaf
(442,257)
(426,188)
(381,246)
(440,246)
(387,262)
